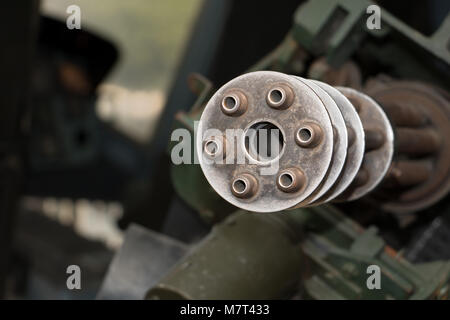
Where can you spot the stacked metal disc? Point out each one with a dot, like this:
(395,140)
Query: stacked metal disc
(268,141)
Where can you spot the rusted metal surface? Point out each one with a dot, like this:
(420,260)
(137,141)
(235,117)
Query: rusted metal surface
(416,142)
(410,172)
(323,142)
(334,144)
(376,161)
(403,115)
(339,146)
(347,75)
(355,146)
(421,115)
(306,108)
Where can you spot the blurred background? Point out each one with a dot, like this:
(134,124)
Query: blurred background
(84,135)
(147,41)
(86,117)
(150,36)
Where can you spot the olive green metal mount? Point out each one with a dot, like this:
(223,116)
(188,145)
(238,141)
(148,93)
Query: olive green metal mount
(318,252)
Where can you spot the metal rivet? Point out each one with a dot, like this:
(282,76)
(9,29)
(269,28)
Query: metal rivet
(234,103)
(280,97)
(291,180)
(309,135)
(244,186)
(215,147)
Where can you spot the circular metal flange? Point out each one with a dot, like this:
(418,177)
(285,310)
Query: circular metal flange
(436,110)
(355,146)
(375,162)
(340,142)
(313,162)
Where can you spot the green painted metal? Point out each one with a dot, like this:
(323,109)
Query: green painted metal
(337,29)
(264,256)
(334,28)
(248,256)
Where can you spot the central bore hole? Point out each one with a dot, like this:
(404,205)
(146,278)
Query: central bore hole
(286,180)
(229,102)
(239,186)
(264,141)
(304,134)
(276,95)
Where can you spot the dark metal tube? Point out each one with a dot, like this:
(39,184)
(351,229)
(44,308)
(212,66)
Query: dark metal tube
(417,141)
(405,116)
(408,172)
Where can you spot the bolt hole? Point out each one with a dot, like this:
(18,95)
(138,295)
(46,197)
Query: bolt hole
(229,103)
(211,147)
(286,180)
(276,96)
(239,186)
(304,135)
